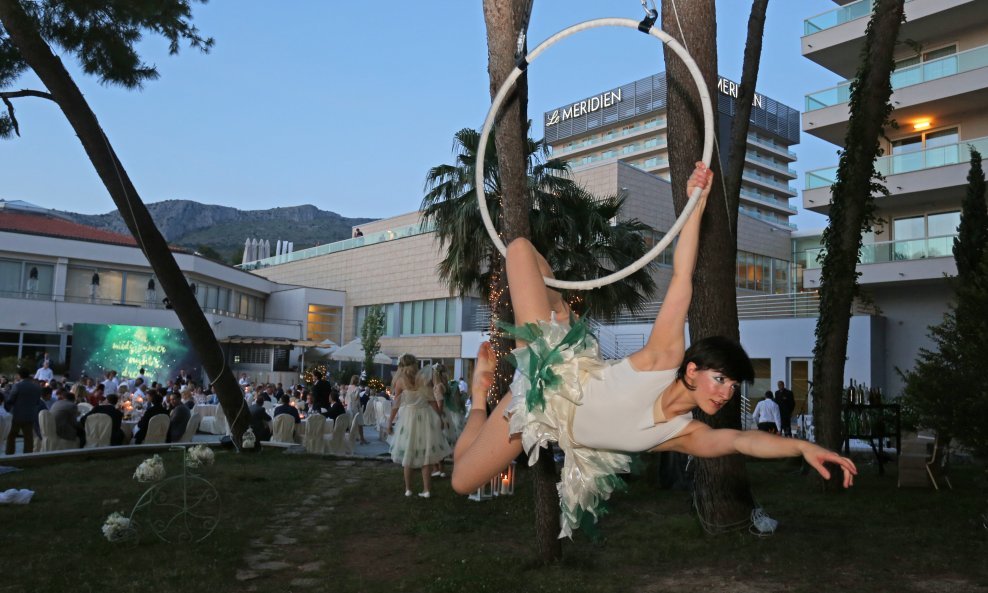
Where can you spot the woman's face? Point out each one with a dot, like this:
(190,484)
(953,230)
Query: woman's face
(713,388)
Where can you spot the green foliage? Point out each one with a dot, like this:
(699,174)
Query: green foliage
(370,335)
(207,251)
(947,390)
(972,234)
(570,227)
(347,369)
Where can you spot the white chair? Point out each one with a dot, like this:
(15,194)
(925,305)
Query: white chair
(215,424)
(98,427)
(157,429)
(350,444)
(191,428)
(335,444)
(46,424)
(284,429)
(84,407)
(370,412)
(315,428)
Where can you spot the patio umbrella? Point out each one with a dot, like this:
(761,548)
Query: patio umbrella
(354,352)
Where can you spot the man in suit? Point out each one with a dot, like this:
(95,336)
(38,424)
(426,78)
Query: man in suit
(23,402)
(336,408)
(65,413)
(320,391)
(156,408)
(286,408)
(787,404)
(180,415)
(108,407)
(259,419)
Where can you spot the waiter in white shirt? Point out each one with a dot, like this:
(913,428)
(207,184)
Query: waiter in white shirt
(767,416)
(44,373)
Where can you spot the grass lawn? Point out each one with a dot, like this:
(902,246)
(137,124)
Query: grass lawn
(298,523)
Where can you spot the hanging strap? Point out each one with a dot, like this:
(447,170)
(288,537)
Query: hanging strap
(651,14)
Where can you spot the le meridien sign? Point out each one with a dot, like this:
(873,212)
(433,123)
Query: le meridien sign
(730,88)
(595,103)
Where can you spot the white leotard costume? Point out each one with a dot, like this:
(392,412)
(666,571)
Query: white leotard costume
(596,412)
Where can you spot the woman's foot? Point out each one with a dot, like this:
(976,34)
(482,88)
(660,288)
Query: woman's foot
(483,376)
(438,474)
(425,494)
(408,492)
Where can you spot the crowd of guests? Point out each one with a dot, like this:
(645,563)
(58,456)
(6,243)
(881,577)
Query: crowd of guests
(72,403)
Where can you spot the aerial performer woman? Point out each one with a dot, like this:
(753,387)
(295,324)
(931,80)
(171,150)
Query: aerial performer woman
(600,413)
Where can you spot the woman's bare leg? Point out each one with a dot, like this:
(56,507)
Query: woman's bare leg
(485,446)
(407,471)
(531,299)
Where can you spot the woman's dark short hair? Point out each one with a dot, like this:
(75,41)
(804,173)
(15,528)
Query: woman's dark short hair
(718,353)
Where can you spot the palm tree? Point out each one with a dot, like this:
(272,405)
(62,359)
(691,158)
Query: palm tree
(570,227)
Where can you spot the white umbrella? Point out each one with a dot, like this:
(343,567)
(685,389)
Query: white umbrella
(354,352)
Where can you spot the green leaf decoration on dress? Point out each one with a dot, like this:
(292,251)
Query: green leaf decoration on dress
(541,359)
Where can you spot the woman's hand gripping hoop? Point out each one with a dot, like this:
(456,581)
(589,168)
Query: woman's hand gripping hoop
(708,137)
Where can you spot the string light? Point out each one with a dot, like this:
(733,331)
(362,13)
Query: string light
(501,379)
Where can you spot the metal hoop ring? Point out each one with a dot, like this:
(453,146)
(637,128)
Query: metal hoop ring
(708,136)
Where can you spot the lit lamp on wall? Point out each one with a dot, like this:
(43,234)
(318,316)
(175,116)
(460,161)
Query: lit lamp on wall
(922,124)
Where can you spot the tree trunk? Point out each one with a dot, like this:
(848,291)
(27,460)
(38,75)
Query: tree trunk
(504,21)
(722,491)
(48,67)
(851,211)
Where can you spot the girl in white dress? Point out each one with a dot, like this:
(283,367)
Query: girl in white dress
(565,393)
(417,439)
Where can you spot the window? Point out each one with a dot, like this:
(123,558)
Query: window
(25,279)
(360,313)
(629,148)
(944,223)
(434,316)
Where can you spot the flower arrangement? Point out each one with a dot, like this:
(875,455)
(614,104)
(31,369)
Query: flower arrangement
(150,470)
(249,439)
(199,456)
(117,528)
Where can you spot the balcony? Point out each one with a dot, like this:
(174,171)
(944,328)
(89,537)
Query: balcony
(769,165)
(948,86)
(767,144)
(766,181)
(925,259)
(834,39)
(912,177)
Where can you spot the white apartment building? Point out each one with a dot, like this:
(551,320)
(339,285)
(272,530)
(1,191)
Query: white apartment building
(940,88)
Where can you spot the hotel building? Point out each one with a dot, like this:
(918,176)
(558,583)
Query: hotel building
(940,88)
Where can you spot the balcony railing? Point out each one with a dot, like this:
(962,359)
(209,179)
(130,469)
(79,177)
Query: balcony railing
(838,16)
(766,180)
(761,306)
(368,239)
(931,158)
(776,166)
(753,139)
(766,218)
(964,61)
(890,251)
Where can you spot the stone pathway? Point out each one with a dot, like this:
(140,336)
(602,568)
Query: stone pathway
(271,554)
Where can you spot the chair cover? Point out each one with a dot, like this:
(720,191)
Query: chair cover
(84,407)
(46,423)
(191,428)
(351,436)
(383,414)
(5,422)
(370,412)
(284,429)
(157,429)
(98,428)
(215,424)
(335,444)
(315,427)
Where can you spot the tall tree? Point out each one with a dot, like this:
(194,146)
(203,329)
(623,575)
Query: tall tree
(851,212)
(370,336)
(947,390)
(102,35)
(722,490)
(507,26)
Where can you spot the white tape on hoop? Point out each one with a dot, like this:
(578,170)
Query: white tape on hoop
(708,143)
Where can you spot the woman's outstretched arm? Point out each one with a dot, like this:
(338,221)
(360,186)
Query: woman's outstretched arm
(485,447)
(700,440)
(667,341)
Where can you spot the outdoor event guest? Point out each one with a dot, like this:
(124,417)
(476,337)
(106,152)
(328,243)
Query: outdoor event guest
(417,439)
(286,408)
(464,388)
(643,403)
(187,400)
(766,415)
(44,373)
(179,418)
(352,398)
(108,407)
(139,389)
(259,420)
(110,384)
(65,413)
(23,401)
(47,397)
(96,397)
(156,408)
(336,408)
(787,405)
(78,392)
(440,393)
(320,390)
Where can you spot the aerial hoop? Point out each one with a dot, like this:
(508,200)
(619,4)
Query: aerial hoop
(708,138)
